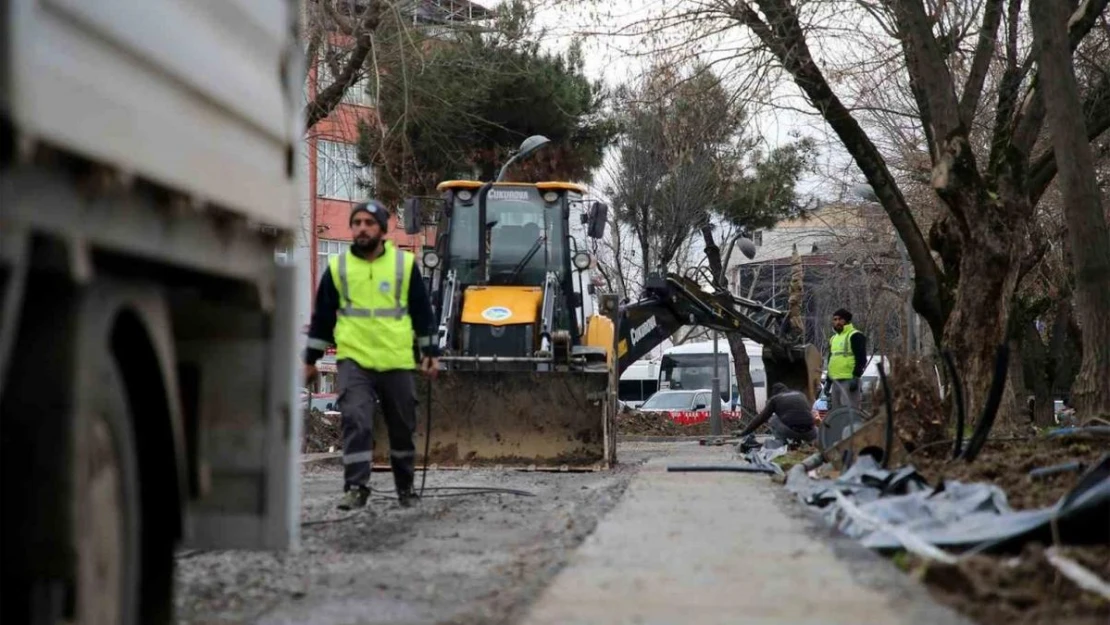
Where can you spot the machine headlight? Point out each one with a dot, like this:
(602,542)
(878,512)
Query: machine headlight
(431,259)
(550,197)
(582,261)
(465,195)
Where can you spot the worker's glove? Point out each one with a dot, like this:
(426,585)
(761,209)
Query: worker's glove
(853,386)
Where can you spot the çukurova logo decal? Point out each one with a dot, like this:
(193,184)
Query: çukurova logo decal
(497,313)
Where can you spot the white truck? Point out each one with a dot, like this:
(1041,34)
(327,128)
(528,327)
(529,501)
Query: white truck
(148,340)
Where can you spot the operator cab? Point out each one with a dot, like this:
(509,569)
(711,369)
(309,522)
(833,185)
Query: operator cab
(526,229)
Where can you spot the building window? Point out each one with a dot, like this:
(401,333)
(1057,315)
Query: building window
(325,249)
(283,255)
(757,238)
(338,171)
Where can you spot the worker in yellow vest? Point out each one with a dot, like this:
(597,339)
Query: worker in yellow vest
(373,306)
(847,359)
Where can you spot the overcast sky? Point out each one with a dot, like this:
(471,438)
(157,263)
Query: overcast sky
(618,59)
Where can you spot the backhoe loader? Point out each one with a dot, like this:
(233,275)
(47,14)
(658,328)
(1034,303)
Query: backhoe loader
(527,362)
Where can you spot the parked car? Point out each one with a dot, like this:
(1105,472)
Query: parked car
(678,400)
(321,401)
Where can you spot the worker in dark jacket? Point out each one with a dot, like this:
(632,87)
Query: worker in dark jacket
(847,359)
(789,414)
(373,306)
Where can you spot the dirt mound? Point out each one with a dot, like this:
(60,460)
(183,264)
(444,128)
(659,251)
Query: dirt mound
(1007,463)
(1026,590)
(919,416)
(636,423)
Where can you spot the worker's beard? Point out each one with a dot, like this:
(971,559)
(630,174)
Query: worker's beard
(365,246)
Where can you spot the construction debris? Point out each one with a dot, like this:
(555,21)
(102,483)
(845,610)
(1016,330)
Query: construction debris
(956,515)
(323,432)
(919,416)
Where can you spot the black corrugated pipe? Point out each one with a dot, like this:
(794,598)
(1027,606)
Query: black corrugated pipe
(990,410)
(888,442)
(958,391)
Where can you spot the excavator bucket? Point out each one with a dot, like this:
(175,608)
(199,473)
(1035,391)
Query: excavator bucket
(546,420)
(798,368)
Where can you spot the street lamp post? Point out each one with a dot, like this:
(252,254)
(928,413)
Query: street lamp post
(527,147)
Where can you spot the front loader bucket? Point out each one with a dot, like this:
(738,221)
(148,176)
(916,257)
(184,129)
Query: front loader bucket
(547,420)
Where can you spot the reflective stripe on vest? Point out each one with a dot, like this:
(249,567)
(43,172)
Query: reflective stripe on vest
(842,362)
(374,328)
(398,280)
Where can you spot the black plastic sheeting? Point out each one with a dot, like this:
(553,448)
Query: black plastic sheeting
(955,515)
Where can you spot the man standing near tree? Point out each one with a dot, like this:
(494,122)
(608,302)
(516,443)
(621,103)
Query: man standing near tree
(847,358)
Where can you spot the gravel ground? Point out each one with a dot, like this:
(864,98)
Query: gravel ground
(466,559)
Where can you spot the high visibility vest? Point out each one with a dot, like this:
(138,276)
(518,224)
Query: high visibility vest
(842,363)
(373,327)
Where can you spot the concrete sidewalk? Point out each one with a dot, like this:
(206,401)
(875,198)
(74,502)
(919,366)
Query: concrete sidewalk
(697,548)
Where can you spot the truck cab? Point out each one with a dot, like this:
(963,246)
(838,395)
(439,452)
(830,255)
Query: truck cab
(148,340)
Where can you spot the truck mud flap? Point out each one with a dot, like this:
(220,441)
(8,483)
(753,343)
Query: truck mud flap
(521,419)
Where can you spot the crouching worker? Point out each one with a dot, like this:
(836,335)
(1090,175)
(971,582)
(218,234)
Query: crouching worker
(373,306)
(789,415)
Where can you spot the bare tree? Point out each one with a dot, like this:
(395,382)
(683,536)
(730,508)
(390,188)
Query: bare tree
(984,240)
(1087,229)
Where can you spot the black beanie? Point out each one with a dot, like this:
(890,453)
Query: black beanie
(376,209)
(843,314)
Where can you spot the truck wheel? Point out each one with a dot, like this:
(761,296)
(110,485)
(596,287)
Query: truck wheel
(107,532)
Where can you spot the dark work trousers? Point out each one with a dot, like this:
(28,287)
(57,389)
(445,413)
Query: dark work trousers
(359,391)
(786,433)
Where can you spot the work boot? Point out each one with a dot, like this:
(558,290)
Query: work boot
(354,498)
(408,497)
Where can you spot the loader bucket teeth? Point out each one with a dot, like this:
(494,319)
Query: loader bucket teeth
(550,420)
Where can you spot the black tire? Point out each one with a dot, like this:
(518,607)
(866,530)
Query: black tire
(107,531)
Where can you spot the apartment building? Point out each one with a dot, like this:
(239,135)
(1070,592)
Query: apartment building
(333,170)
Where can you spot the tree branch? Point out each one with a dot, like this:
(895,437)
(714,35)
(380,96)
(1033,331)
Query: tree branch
(927,69)
(1012,77)
(1097,118)
(1029,121)
(326,101)
(785,38)
(984,53)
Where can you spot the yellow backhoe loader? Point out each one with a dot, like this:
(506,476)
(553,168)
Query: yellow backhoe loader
(528,364)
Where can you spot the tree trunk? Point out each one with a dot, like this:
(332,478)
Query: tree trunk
(1064,347)
(1015,402)
(1035,358)
(1088,233)
(743,373)
(735,341)
(981,311)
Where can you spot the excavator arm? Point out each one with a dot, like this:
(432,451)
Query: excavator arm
(671,301)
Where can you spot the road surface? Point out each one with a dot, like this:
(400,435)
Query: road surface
(668,548)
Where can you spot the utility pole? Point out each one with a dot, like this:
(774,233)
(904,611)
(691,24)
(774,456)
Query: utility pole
(715,402)
(909,315)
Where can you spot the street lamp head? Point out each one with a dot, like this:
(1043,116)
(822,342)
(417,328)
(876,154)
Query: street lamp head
(865,193)
(747,247)
(531,144)
(527,147)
